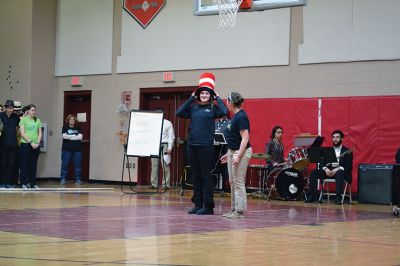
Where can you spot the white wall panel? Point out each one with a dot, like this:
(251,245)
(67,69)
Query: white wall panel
(327,31)
(84,37)
(376,30)
(15,49)
(178,40)
(357,30)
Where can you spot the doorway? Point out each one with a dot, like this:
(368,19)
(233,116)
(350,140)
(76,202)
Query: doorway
(79,103)
(168,99)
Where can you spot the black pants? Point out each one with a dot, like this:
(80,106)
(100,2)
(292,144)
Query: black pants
(8,155)
(201,161)
(316,174)
(29,158)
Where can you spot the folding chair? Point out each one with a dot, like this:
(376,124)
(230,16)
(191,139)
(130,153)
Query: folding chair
(325,186)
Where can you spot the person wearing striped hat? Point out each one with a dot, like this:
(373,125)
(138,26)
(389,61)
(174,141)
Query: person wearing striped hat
(202,112)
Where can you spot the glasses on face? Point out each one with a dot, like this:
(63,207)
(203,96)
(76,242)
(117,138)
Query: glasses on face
(279,132)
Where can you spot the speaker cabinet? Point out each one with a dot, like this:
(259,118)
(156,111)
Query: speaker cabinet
(396,184)
(375,183)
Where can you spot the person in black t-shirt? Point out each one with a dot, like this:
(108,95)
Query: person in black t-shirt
(238,155)
(9,145)
(71,148)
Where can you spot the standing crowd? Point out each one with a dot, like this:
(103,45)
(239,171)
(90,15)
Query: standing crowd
(20,137)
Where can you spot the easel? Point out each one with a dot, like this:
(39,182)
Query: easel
(143,141)
(133,191)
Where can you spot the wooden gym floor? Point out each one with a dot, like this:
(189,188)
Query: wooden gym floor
(109,228)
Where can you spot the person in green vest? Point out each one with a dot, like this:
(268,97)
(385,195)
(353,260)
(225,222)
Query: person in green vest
(31,135)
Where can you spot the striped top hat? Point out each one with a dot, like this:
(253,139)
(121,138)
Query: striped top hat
(206,83)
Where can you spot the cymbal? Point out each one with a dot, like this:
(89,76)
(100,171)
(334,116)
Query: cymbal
(260,156)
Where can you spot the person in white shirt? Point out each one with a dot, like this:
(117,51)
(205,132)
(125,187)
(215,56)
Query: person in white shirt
(167,141)
(340,171)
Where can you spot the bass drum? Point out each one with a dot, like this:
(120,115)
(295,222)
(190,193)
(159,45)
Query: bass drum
(289,183)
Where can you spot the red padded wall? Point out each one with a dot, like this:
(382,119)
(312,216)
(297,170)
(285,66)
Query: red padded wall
(363,131)
(295,116)
(259,114)
(389,129)
(370,124)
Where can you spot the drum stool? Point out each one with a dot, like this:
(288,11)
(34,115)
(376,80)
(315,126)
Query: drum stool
(325,185)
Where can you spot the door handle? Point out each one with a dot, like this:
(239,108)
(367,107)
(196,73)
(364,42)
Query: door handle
(179,142)
(86,141)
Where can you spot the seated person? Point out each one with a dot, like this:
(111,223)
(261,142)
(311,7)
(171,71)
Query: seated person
(274,149)
(340,171)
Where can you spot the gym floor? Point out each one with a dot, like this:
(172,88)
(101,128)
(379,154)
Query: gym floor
(111,228)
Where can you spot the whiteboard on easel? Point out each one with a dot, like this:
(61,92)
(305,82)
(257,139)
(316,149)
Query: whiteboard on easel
(144,134)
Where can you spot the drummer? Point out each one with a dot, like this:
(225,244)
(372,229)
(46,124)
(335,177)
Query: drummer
(274,149)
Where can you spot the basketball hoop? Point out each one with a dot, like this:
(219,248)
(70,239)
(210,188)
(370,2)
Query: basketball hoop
(227,12)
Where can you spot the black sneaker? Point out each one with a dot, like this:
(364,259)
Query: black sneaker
(205,211)
(194,210)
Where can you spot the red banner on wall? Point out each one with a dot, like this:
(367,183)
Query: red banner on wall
(143,11)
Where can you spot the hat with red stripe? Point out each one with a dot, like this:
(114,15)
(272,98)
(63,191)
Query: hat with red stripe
(206,83)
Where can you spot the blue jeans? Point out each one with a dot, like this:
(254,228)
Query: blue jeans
(66,157)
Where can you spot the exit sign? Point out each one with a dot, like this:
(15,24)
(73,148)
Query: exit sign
(168,76)
(76,81)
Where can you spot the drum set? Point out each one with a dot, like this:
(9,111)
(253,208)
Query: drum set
(284,181)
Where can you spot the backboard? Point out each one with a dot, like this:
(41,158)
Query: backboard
(206,7)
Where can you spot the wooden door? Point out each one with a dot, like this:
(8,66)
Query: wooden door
(168,99)
(79,102)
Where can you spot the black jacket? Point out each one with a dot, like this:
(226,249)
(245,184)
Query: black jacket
(202,124)
(346,162)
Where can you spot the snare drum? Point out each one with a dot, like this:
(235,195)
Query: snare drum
(299,159)
(289,183)
(253,175)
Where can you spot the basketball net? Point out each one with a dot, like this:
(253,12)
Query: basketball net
(227,12)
